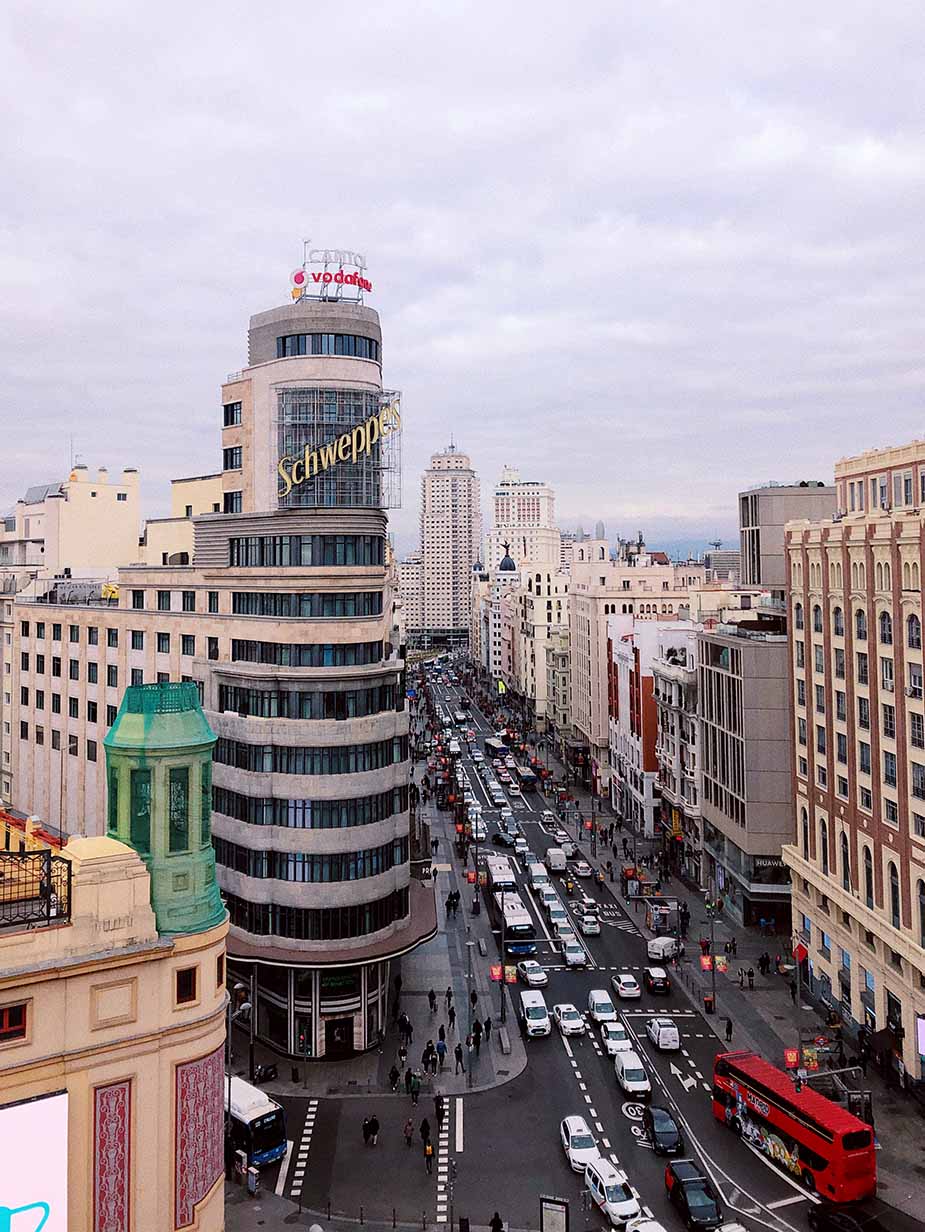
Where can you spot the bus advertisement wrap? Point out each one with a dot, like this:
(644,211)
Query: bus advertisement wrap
(33,1193)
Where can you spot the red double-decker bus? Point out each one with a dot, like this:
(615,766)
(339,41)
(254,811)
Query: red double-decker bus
(828,1149)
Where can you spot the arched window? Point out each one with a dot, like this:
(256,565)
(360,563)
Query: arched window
(854,575)
(868,878)
(862,574)
(817,619)
(914,633)
(886,629)
(845,863)
(804,817)
(860,625)
(920,892)
(824,846)
(838,622)
(915,575)
(600,553)
(887,582)
(894,895)
(907,576)
(798,616)
(879,575)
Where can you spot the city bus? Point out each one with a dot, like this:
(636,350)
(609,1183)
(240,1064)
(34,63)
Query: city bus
(500,875)
(517,930)
(817,1141)
(526,779)
(258,1123)
(495,748)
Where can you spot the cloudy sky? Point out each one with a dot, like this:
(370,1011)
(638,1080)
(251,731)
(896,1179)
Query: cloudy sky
(652,252)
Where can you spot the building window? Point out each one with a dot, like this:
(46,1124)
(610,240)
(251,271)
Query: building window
(91,750)
(74,634)
(839,663)
(886,629)
(868,878)
(801,692)
(73,708)
(112,638)
(12,1022)
(838,622)
(138,599)
(231,458)
(212,648)
(92,673)
(801,731)
(39,735)
(818,659)
(862,672)
(24,660)
(917,731)
(915,680)
(894,895)
(866,799)
(40,699)
(920,896)
(56,703)
(73,669)
(841,786)
(72,746)
(817,619)
(231,502)
(91,712)
(914,633)
(186,985)
(889,769)
(841,706)
(213,602)
(112,676)
(220,971)
(23,730)
(841,744)
(188,511)
(798,616)
(889,721)
(138,639)
(860,625)
(804,818)
(179,808)
(56,632)
(864,757)
(864,713)
(891,812)
(187,644)
(189,600)
(231,414)
(110,715)
(40,629)
(140,810)
(163,643)
(163,600)
(820,699)
(918,780)
(820,738)
(824,846)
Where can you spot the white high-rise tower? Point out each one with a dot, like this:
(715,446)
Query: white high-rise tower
(451,534)
(525,517)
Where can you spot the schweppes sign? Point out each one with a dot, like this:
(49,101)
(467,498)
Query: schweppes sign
(349,447)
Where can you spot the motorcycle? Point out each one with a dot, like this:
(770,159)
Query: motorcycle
(265,1073)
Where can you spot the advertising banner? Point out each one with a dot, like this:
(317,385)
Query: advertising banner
(33,1177)
(510,975)
(495,971)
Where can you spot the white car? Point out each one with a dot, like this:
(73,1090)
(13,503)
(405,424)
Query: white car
(600,1006)
(644,1224)
(520,846)
(615,1039)
(532,858)
(532,974)
(611,1192)
(626,986)
(578,1142)
(548,818)
(589,926)
(574,954)
(507,814)
(479,832)
(568,1020)
(477,756)
(631,1075)
(664,1034)
(582,869)
(547,896)
(569,849)
(560,836)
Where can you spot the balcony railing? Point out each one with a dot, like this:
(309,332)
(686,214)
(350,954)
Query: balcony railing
(35,889)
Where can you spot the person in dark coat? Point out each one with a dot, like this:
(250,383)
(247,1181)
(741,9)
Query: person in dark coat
(425,1130)
(496,1224)
(728,1030)
(374,1129)
(751,978)
(367,1131)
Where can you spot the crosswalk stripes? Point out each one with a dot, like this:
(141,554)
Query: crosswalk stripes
(443,1164)
(301,1161)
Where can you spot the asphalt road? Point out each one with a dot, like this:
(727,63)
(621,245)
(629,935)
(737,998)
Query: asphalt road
(500,1149)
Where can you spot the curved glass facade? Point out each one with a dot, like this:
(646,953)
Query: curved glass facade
(318,924)
(306,604)
(304,866)
(306,551)
(311,814)
(353,345)
(303,759)
(317,703)
(304,654)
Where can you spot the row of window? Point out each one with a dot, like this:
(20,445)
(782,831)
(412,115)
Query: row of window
(310,604)
(302,866)
(324,924)
(311,814)
(187,648)
(73,706)
(164,601)
(300,654)
(304,704)
(93,633)
(885,625)
(330,759)
(288,551)
(327,344)
(73,742)
(178,802)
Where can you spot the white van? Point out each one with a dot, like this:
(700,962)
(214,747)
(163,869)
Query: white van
(555,859)
(534,1016)
(632,1076)
(538,876)
(600,1006)
(611,1191)
(662,949)
(664,1034)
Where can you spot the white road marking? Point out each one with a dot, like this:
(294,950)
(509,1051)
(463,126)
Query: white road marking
(459,1126)
(783,1176)
(772,1206)
(302,1161)
(283,1171)
(605,1143)
(593,1112)
(599,1127)
(566,1045)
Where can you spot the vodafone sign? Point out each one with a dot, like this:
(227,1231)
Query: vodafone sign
(330,274)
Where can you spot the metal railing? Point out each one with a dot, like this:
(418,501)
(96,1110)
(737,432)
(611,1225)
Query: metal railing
(35,889)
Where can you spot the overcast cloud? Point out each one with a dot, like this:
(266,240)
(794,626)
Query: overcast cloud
(651,252)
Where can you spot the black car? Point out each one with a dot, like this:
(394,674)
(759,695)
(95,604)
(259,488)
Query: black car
(656,979)
(662,1131)
(826,1218)
(694,1195)
(501,838)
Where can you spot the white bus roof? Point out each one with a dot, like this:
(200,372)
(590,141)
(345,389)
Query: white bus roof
(247,1102)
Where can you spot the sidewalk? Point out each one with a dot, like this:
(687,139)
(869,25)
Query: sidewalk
(440,963)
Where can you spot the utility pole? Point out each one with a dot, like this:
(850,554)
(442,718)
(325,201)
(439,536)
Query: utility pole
(503,939)
(469,947)
(252,1022)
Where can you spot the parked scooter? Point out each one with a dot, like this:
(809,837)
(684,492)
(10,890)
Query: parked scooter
(265,1073)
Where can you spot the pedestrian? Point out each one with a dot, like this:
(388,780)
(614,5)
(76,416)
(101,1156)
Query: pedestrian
(751,979)
(409,1132)
(487,1027)
(402,1056)
(429,1156)
(735,947)
(433,1060)
(728,1030)
(626,848)
(394,1075)
(448,996)
(415,1088)
(726,948)
(441,1034)
(409,1033)
(374,1128)
(449,905)
(496,1224)
(425,1130)
(439,1111)
(741,977)
(432,1001)
(793,991)
(367,1131)
(452,1017)
(397,987)
(704,946)
(477,1041)
(473,998)
(458,1054)
(425,1057)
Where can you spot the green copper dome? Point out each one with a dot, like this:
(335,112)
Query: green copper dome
(159,780)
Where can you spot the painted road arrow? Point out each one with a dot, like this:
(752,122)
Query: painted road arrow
(685,1082)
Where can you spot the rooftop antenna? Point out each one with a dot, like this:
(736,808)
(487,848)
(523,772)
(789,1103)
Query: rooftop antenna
(716,543)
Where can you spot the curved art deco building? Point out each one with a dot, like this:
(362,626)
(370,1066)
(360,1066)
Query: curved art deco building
(307,693)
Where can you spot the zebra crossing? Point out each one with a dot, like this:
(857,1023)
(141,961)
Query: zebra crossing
(305,1142)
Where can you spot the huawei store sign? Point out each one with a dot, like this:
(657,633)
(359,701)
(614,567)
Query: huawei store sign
(330,274)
